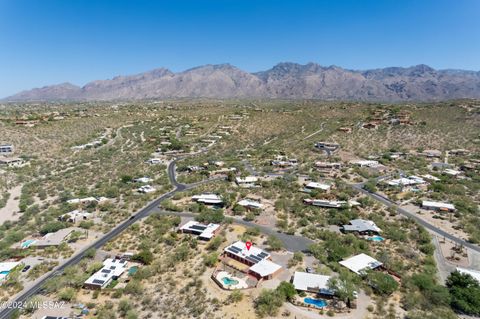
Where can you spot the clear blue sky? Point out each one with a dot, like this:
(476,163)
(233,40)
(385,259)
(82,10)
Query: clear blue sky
(52,41)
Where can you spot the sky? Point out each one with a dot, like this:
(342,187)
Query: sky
(45,42)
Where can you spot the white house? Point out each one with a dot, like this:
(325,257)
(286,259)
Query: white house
(6,149)
(315,283)
(362,226)
(112,269)
(315,185)
(406,181)
(75,216)
(330,203)
(154,161)
(249,203)
(365,163)
(438,206)
(146,189)
(249,181)
(360,263)
(143,180)
(208,199)
(204,232)
(12,162)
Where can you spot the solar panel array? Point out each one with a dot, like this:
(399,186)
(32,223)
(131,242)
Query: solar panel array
(251,258)
(98,281)
(198,227)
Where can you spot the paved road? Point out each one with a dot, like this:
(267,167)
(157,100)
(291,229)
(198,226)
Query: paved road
(290,242)
(384,200)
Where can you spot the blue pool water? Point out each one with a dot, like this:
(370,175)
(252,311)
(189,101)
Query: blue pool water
(4,272)
(319,303)
(376,238)
(27,243)
(229,281)
(132,270)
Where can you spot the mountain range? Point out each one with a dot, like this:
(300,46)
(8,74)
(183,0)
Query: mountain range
(284,80)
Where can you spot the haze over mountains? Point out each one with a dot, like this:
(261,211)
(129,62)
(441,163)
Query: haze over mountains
(285,80)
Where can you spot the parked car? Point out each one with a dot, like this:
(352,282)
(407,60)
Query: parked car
(27,267)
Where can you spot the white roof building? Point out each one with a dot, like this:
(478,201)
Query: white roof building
(360,263)
(212,199)
(250,203)
(254,254)
(315,185)
(452,172)
(365,163)
(75,216)
(304,281)
(87,200)
(146,189)
(361,225)
(437,206)
(142,180)
(246,180)
(205,232)
(474,273)
(431,177)
(330,203)
(265,268)
(112,269)
(407,181)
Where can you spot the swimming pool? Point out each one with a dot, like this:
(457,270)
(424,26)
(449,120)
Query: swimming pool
(6,272)
(27,243)
(319,303)
(376,238)
(229,281)
(132,270)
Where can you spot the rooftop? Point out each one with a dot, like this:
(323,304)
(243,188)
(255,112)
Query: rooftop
(310,282)
(254,254)
(265,268)
(360,262)
(203,231)
(362,225)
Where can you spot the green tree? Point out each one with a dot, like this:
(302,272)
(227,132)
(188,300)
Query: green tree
(274,243)
(287,289)
(465,293)
(382,283)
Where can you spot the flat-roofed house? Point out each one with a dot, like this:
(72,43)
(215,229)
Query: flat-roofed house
(362,227)
(315,185)
(314,283)
(6,149)
(327,165)
(250,203)
(327,146)
(438,206)
(360,263)
(204,232)
(265,269)
(208,199)
(75,216)
(53,239)
(112,269)
(259,261)
(330,203)
(249,181)
(12,162)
